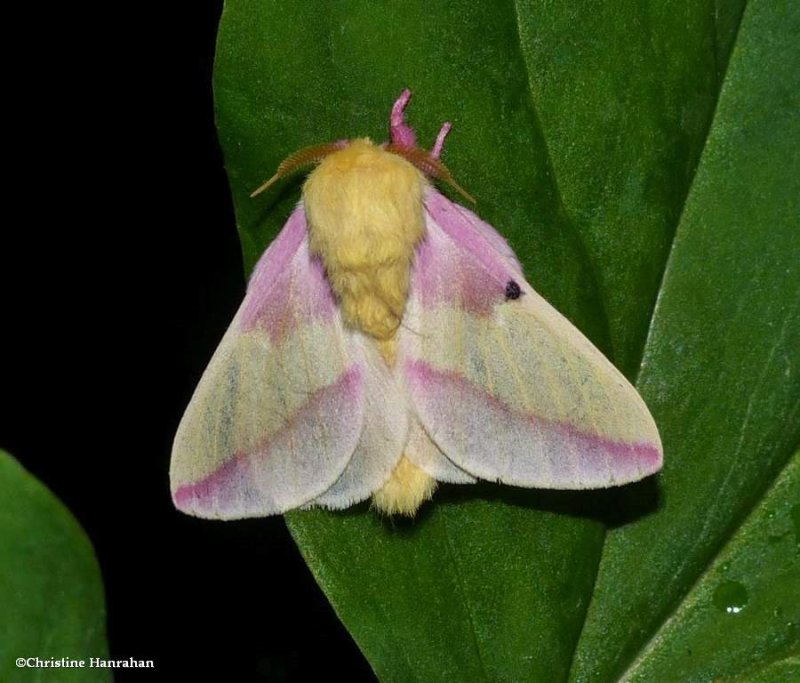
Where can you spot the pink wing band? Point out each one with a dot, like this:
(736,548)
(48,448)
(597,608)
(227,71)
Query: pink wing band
(526,444)
(233,488)
(469,231)
(468,268)
(270,306)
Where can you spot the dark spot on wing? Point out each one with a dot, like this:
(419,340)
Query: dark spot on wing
(512,290)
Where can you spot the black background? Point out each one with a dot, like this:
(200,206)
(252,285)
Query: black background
(121,270)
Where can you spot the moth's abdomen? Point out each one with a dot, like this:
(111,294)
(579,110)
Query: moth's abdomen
(373,300)
(365,216)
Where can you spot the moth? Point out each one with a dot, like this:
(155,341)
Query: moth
(388,341)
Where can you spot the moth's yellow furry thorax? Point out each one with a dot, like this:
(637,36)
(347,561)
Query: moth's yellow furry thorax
(365,218)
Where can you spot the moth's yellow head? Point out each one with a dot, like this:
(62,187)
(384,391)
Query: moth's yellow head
(362,173)
(363,155)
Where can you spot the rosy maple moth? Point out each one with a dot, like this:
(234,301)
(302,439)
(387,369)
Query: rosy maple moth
(388,341)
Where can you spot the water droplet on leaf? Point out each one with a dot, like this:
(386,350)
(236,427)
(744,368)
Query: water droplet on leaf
(731,597)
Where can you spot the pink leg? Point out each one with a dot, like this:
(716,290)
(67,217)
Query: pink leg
(436,152)
(402,133)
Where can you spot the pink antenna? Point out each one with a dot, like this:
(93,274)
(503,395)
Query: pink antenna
(436,152)
(402,134)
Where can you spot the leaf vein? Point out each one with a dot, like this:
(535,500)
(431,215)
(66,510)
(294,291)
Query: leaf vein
(675,611)
(690,184)
(591,268)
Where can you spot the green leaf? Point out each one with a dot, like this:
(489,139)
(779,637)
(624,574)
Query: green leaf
(720,370)
(742,616)
(50,585)
(642,160)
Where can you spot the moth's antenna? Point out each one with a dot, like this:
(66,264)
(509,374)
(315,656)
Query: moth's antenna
(302,157)
(429,165)
(402,133)
(436,152)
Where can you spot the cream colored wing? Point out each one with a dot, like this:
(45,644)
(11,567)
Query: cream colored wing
(506,386)
(287,411)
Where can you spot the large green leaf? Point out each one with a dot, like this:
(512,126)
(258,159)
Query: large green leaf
(50,587)
(720,369)
(631,153)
